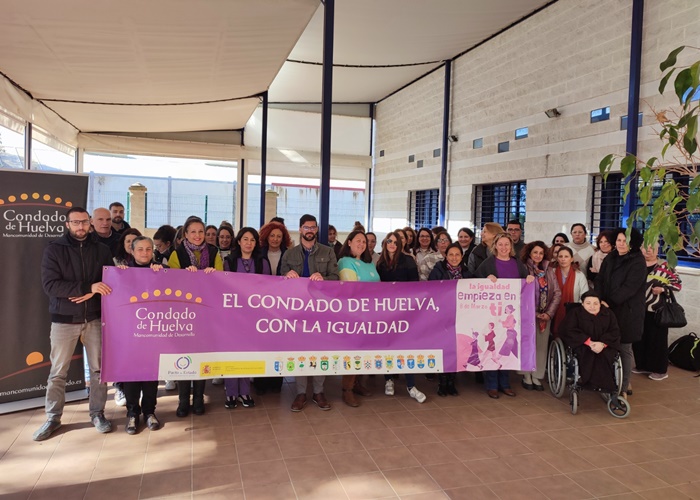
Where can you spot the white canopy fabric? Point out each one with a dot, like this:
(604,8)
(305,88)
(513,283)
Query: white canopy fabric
(181,65)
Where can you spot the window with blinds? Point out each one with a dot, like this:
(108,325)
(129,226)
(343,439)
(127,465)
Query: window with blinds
(500,203)
(424,209)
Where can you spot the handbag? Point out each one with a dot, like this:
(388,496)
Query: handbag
(671,314)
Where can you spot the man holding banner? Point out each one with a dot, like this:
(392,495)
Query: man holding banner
(317,262)
(71,274)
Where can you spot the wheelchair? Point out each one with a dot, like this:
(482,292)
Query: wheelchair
(563,372)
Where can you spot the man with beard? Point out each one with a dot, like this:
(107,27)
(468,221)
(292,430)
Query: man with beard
(102,224)
(316,262)
(71,274)
(116,210)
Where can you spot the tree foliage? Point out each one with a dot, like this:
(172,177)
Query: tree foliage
(668,185)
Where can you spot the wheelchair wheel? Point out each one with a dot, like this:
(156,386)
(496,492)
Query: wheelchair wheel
(573,401)
(622,410)
(617,366)
(556,367)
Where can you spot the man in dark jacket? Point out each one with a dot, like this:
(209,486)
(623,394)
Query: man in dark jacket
(317,262)
(71,274)
(103,233)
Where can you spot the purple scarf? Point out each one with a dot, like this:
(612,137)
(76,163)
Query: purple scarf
(203,250)
(455,272)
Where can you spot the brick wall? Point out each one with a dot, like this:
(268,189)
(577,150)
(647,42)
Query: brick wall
(573,56)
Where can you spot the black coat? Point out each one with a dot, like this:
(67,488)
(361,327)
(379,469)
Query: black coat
(488,267)
(621,283)
(406,270)
(69,268)
(440,272)
(579,325)
(477,257)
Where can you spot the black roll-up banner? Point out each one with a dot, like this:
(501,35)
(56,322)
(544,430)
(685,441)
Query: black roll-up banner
(33,208)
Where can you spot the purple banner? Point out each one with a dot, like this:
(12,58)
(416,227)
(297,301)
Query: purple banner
(174,324)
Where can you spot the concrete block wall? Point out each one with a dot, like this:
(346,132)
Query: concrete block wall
(573,56)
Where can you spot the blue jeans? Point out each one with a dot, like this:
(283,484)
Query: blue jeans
(64,338)
(496,379)
(410,380)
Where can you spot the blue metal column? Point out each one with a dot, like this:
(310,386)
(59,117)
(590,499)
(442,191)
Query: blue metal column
(242,190)
(28,146)
(371,170)
(633,100)
(263,159)
(326,116)
(445,133)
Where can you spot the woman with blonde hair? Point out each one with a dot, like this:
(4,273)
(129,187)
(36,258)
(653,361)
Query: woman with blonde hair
(482,252)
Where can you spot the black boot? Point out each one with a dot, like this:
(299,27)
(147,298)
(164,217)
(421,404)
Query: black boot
(183,406)
(198,397)
(442,385)
(451,389)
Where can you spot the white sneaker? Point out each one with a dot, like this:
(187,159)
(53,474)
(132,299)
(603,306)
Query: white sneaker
(170,385)
(658,376)
(389,388)
(119,397)
(416,394)
(217,381)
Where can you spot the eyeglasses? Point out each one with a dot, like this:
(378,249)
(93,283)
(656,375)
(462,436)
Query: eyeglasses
(513,229)
(443,240)
(309,228)
(85,222)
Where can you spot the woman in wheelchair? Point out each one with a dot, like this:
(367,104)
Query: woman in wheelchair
(593,334)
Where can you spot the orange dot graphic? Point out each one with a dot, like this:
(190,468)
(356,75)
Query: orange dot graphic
(134,299)
(69,204)
(58,200)
(11,199)
(168,291)
(178,293)
(2,202)
(35,196)
(156,293)
(198,300)
(34,358)
(47,197)
(188,296)
(144,295)
(24,196)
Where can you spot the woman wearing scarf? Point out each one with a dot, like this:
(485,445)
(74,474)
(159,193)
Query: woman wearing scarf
(449,269)
(572,283)
(194,254)
(604,242)
(547,298)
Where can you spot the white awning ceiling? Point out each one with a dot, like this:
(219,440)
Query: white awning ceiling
(181,65)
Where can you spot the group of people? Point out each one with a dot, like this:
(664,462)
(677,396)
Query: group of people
(625,277)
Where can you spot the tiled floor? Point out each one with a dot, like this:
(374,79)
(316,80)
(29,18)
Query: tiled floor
(469,446)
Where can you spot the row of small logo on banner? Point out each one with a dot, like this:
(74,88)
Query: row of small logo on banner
(349,363)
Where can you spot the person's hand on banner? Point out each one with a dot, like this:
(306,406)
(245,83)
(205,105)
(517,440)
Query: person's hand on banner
(156,267)
(530,278)
(492,278)
(192,269)
(99,287)
(291,274)
(316,277)
(209,270)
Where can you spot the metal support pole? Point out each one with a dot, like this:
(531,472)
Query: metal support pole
(28,147)
(633,102)
(241,189)
(445,133)
(370,175)
(263,159)
(326,116)
(170,201)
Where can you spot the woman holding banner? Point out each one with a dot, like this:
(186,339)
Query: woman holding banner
(547,297)
(147,391)
(194,254)
(395,265)
(449,269)
(502,264)
(246,257)
(355,264)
